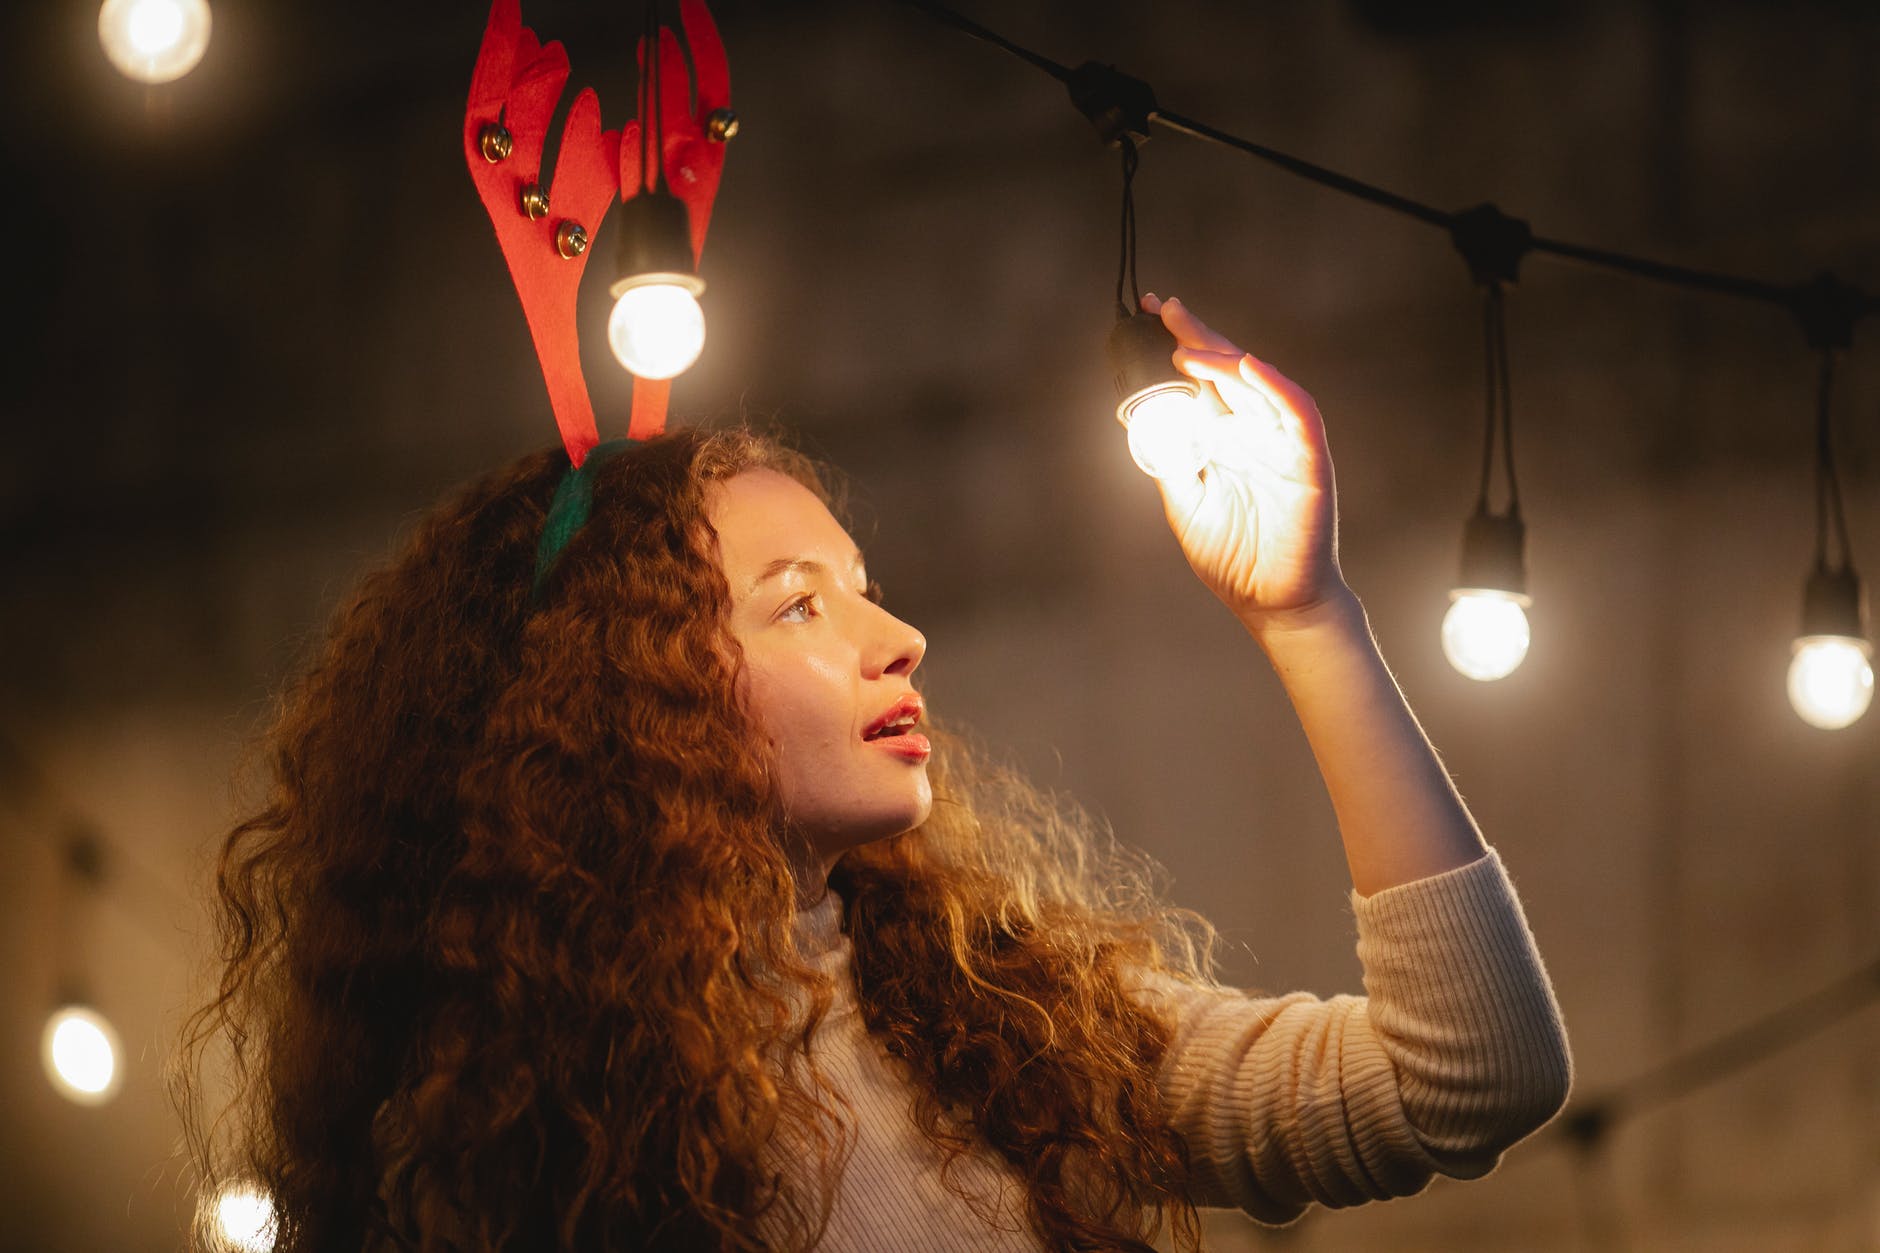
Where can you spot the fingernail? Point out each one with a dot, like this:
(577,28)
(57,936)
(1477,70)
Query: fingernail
(1150,296)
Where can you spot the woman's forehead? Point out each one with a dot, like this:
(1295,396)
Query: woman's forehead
(763,517)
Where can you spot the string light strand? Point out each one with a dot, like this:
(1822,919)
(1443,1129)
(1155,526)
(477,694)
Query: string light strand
(1858,303)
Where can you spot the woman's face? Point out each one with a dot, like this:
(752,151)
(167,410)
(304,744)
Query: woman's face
(824,665)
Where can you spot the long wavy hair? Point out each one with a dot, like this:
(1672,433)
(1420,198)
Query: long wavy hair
(505,950)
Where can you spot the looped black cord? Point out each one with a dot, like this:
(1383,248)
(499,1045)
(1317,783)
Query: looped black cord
(1126,261)
(651,123)
(1828,506)
(1498,407)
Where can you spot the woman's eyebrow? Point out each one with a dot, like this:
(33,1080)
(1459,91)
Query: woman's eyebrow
(803,565)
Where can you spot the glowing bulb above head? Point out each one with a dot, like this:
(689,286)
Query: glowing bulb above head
(657,329)
(1831,680)
(244,1218)
(154,41)
(1485,632)
(1170,433)
(80,1051)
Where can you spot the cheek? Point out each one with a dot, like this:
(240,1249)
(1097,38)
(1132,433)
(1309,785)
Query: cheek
(797,701)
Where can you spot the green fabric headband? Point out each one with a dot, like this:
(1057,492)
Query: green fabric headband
(568,512)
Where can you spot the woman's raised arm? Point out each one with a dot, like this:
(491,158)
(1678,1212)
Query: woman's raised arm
(1260,529)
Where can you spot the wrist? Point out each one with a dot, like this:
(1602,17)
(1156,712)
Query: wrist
(1337,615)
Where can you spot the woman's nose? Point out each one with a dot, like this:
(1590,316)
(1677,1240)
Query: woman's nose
(900,646)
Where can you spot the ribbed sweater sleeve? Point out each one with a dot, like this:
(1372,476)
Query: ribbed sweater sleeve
(1457,1052)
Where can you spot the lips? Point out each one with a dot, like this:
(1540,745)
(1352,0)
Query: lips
(898,720)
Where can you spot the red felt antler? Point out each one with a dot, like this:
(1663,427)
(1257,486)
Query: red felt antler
(516,84)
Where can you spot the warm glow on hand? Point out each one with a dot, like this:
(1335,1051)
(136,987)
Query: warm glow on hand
(1260,523)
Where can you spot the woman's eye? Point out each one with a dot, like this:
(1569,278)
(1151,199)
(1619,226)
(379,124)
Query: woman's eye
(798,610)
(873,591)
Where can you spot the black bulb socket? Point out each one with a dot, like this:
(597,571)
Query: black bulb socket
(655,243)
(1833,604)
(1493,553)
(1141,350)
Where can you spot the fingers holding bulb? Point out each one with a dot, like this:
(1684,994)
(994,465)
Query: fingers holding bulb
(1189,331)
(1269,429)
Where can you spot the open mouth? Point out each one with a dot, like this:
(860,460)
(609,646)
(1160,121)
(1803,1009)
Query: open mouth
(898,721)
(900,726)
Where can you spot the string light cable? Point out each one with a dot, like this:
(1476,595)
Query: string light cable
(1102,93)
(1589,1123)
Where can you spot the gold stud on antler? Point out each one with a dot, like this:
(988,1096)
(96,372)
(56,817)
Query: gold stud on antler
(534,201)
(721,126)
(571,239)
(496,141)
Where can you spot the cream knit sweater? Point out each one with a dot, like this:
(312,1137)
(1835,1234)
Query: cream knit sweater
(1457,1052)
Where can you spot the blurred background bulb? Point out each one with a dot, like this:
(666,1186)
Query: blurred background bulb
(1485,632)
(154,41)
(1170,432)
(244,1218)
(657,330)
(80,1052)
(1830,680)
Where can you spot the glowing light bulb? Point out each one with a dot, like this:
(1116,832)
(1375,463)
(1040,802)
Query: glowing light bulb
(656,329)
(80,1051)
(1831,680)
(1485,632)
(154,41)
(1170,432)
(244,1218)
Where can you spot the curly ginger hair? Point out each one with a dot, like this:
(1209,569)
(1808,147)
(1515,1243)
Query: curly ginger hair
(505,952)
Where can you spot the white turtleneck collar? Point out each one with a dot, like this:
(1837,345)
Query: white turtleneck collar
(820,936)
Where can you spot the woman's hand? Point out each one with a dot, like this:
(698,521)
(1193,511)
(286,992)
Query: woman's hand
(1260,524)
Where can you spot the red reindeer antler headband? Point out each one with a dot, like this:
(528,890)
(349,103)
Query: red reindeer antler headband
(517,83)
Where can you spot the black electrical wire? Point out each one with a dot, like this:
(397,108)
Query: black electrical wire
(651,129)
(1724,1056)
(1505,379)
(1498,403)
(1861,304)
(1305,169)
(947,17)
(1828,507)
(1126,259)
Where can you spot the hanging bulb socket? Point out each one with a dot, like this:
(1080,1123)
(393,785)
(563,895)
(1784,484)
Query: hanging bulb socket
(1140,349)
(655,244)
(1833,604)
(1492,553)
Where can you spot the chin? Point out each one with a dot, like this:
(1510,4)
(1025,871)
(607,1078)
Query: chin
(859,830)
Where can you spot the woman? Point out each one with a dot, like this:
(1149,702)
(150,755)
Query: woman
(616,893)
